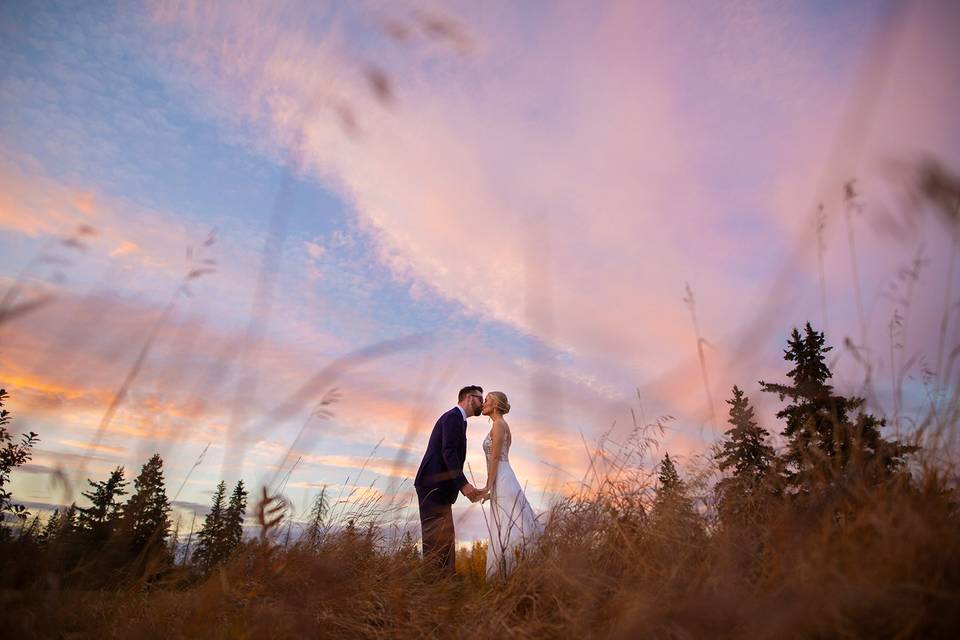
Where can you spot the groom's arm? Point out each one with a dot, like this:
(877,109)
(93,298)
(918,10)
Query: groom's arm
(451,439)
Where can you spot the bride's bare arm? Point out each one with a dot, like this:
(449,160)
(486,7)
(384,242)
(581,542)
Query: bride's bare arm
(496,435)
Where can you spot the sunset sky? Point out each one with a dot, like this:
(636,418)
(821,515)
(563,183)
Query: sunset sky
(404,198)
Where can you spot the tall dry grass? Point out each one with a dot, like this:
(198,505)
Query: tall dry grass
(850,560)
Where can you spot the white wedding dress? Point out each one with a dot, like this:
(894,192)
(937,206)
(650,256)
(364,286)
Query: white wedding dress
(512,524)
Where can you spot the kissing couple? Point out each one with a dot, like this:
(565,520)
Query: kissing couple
(511,523)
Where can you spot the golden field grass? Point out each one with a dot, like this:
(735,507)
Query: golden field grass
(848,561)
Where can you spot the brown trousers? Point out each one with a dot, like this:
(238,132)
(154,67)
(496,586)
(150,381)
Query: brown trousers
(436,526)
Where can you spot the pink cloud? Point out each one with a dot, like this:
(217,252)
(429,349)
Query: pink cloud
(592,211)
(573,171)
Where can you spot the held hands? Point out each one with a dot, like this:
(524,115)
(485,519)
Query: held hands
(473,494)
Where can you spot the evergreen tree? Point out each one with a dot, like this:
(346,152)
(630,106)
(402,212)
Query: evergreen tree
(745,449)
(11,455)
(673,528)
(670,482)
(30,533)
(233,519)
(60,527)
(146,516)
(52,528)
(672,509)
(408,546)
(209,552)
(97,522)
(69,522)
(745,445)
(821,437)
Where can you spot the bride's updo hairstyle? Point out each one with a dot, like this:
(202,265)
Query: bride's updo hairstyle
(503,405)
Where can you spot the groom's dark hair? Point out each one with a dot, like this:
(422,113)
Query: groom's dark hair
(467,391)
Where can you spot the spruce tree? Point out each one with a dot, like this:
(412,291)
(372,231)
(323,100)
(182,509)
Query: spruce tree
(672,508)
(97,522)
(745,449)
(233,519)
(30,533)
(146,516)
(209,551)
(670,482)
(745,445)
(821,437)
(52,528)
(64,535)
(68,522)
(408,546)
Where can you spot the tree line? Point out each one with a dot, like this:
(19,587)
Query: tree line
(833,448)
(125,531)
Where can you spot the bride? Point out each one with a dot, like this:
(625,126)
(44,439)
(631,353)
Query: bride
(511,523)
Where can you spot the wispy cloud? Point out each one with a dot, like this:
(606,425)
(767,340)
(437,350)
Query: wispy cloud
(94,447)
(572,206)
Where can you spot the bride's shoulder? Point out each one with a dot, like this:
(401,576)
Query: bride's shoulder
(499,425)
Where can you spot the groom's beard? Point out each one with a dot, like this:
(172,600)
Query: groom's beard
(477,411)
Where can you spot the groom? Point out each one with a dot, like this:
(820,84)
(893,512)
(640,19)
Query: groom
(440,477)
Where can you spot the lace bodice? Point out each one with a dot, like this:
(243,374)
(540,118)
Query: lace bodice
(488,446)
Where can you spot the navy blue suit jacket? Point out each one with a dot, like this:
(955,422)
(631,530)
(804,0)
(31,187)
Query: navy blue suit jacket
(441,470)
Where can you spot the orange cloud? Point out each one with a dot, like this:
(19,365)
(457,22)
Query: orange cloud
(94,447)
(125,248)
(84,202)
(33,393)
(31,384)
(30,207)
(38,205)
(378,465)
